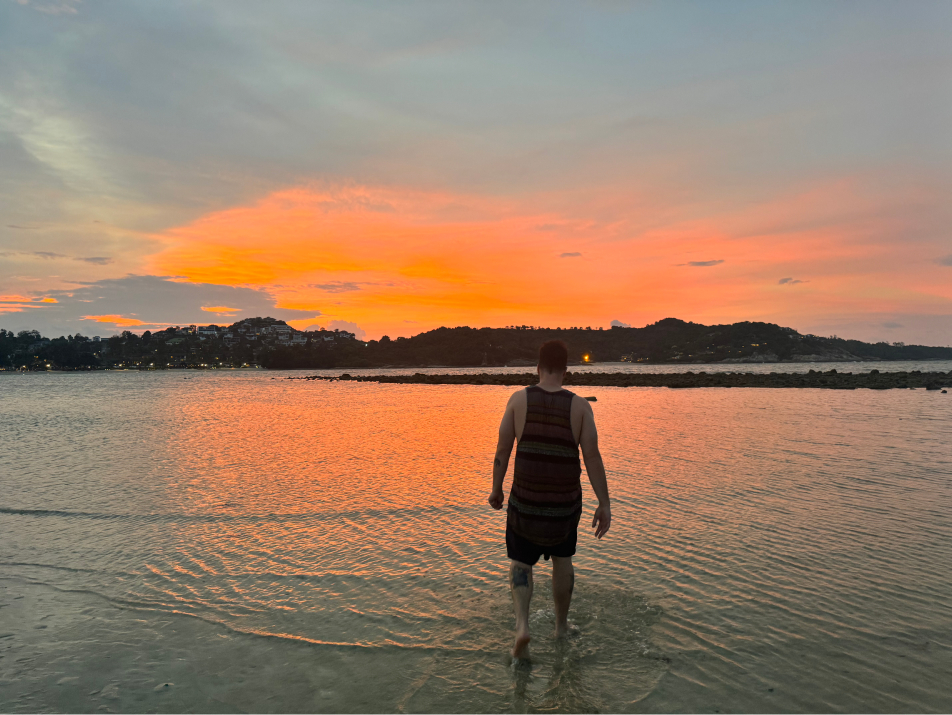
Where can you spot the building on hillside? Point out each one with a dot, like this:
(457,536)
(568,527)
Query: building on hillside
(208,331)
(298,339)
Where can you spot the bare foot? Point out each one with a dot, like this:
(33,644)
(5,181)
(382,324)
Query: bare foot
(520,648)
(566,631)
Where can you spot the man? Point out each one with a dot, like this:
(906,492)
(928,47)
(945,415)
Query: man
(545,503)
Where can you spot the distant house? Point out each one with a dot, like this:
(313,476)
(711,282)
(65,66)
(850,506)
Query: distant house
(329,336)
(347,336)
(298,339)
(208,331)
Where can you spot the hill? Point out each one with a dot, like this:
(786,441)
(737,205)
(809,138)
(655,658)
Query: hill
(274,344)
(667,341)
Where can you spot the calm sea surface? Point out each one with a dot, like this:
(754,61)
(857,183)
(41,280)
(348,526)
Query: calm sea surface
(228,541)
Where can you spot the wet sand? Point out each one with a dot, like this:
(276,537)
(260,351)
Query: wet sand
(75,651)
(832,379)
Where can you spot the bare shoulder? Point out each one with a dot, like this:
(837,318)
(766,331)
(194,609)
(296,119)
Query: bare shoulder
(582,407)
(517,398)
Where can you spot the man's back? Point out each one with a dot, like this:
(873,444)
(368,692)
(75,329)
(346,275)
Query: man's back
(545,502)
(548,424)
(519,401)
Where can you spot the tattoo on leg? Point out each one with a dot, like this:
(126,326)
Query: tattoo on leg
(497,462)
(520,577)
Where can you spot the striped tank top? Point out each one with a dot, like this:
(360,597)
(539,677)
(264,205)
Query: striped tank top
(545,503)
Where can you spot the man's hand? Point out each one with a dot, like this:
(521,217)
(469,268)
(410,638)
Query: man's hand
(602,520)
(495,499)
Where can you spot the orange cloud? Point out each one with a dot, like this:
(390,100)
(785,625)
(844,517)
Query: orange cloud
(387,258)
(220,309)
(24,299)
(17,303)
(118,320)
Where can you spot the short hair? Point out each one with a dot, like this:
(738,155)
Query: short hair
(553,356)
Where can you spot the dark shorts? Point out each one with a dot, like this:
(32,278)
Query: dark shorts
(528,552)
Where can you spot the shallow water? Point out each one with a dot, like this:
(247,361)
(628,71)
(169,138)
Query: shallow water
(274,545)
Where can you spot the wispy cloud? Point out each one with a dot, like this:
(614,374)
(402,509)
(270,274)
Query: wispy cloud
(702,264)
(52,7)
(337,286)
(349,327)
(18,303)
(789,281)
(221,310)
(573,254)
(945,260)
(619,324)
(117,320)
(53,255)
(97,260)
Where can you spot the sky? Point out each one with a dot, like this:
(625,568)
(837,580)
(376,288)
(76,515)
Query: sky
(390,168)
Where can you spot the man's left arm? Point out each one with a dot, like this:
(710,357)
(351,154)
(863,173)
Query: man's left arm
(507,435)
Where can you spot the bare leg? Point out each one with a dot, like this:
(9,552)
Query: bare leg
(520,583)
(563,583)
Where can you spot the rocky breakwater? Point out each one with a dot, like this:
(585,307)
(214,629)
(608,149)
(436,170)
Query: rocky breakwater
(831,379)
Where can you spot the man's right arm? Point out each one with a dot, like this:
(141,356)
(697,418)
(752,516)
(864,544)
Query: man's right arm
(507,435)
(588,441)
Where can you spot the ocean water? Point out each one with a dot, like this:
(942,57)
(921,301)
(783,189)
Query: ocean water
(232,541)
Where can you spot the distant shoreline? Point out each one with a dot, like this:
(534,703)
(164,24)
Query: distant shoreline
(726,363)
(831,379)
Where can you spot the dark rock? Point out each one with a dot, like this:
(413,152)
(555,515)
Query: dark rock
(816,380)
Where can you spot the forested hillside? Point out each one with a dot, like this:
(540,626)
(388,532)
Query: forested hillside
(272,343)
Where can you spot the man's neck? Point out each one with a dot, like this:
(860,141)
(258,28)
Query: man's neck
(550,382)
